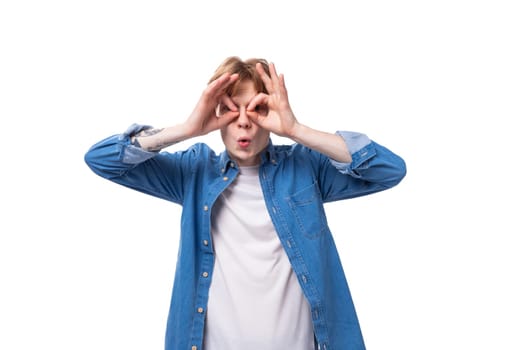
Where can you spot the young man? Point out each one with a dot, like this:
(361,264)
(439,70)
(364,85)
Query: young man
(257,266)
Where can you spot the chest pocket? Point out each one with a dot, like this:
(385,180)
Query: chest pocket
(308,211)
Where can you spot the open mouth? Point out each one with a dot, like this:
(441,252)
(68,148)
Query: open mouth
(244,142)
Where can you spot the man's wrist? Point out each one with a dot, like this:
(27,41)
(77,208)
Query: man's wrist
(296,132)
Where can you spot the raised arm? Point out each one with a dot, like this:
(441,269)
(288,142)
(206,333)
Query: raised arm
(133,159)
(201,121)
(351,153)
(280,119)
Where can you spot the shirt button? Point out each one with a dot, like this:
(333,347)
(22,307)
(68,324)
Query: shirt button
(225,178)
(205,242)
(204,274)
(205,208)
(200,310)
(194,347)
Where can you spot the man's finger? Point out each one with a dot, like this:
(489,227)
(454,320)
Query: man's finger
(265,78)
(259,99)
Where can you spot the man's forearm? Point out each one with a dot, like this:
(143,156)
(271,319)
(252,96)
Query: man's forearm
(154,140)
(331,145)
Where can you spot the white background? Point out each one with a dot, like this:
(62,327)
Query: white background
(435,263)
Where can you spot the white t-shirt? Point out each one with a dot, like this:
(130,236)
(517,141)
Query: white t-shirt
(255,301)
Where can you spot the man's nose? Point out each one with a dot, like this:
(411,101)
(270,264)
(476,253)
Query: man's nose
(243,121)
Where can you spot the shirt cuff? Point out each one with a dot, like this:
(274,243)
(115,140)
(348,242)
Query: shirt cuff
(361,149)
(131,153)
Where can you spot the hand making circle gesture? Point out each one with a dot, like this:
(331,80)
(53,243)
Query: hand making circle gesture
(204,118)
(272,111)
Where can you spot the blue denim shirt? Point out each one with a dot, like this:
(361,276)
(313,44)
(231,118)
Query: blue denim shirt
(295,181)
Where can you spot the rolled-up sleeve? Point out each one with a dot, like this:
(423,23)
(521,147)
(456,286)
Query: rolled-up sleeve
(360,148)
(160,174)
(375,166)
(114,155)
(133,154)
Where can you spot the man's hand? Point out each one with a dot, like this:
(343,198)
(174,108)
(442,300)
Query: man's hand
(201,121)
(204,118)
(272,111)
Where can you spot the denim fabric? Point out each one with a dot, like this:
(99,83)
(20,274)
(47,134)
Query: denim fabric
(295,181)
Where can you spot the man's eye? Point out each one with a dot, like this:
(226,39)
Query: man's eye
(221,110)
(262,109)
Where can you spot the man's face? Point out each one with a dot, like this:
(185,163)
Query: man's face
(244,140)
